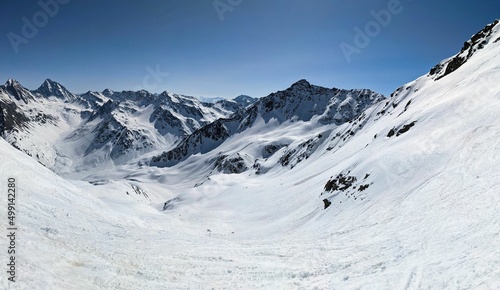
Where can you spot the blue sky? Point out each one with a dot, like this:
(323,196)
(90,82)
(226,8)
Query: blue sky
(225,48)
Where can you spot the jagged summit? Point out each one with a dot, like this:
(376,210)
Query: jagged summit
(51,88)
(278,194)
(49,81)
(15,89)
(303,83)
(108,93)
(487,36)
(303,100)
(300,102)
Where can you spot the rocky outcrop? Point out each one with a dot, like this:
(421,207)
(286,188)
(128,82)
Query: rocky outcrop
(477,42)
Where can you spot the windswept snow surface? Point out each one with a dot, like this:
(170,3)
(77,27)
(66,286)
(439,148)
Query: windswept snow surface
(427,217)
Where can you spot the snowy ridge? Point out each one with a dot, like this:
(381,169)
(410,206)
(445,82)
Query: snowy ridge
(72,133)
(298,104)
(51,88)
(477,42)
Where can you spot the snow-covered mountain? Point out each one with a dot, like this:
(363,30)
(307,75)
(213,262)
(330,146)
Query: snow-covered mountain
(306,188)
(51,88)
(245,100)
(69,132)
(300,105)
(19,93)
(242,100)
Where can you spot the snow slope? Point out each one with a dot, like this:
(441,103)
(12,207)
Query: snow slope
(412,184)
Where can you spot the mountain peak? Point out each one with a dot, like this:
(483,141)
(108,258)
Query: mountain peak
(301,83)
(49,84)
(52,88)
(245,100)
(11,82)
(108,93)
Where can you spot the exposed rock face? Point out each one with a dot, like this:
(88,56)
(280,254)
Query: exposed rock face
(293,156)
(17,91)
(477,42)
(401,129)
(270,149)
(350,186)
(231,164)
(51,88)
(11,117)
(201,141)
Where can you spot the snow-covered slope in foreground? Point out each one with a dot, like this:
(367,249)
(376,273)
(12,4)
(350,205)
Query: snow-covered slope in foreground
(427,216)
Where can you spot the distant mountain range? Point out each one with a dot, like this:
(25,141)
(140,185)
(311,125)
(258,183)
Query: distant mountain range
(100,129)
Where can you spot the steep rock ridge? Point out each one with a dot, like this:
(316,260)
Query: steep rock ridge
(202,140)
(20,110)
(404,96)
(52,88)
(25,123)
(17,91)
(476,43)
